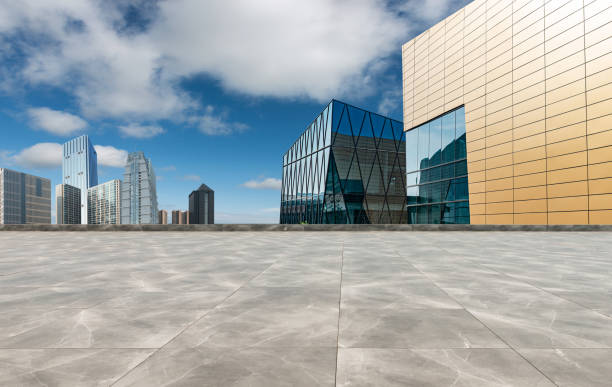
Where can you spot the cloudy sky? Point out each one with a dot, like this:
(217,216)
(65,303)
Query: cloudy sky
(211,91)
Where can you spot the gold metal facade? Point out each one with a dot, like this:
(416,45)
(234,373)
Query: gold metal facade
(535,77)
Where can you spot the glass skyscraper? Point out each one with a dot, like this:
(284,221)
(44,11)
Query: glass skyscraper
(24,198)
(80,168)
(347,167)
(104,203)
(202,206)
(437,183)
(138,191)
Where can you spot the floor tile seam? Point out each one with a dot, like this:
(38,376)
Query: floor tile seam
(484,348)
(509,276)
(488,328)
(187,327)
(77,348)
(339,312)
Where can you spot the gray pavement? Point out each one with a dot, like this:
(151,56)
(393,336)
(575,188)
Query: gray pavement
(306,309)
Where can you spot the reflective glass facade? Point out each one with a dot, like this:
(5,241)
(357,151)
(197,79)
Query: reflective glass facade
(201,206)
(436,165)
(80,168)
(535,79)
(68,204)
(347,167)
(138,191)
(104,203)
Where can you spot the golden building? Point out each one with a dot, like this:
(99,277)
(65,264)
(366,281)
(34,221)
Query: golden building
(535,78)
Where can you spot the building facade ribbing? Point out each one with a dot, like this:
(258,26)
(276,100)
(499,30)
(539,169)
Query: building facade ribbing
(68,204)
(24,198)
(104,203)
(80,168)
(138,191)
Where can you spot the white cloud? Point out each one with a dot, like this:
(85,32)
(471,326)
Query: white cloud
(216,124)
(49,155)
(56,122)
(313,49)
(140,131)
(267,183)
(41,155)
(110,156)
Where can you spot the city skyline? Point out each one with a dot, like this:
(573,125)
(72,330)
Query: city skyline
(202,125)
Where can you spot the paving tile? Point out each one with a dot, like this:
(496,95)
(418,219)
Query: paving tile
(413,328)
(67,367)
(443,367)
(573,367)
(257,367)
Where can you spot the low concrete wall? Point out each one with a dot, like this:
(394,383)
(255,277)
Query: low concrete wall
(299,227)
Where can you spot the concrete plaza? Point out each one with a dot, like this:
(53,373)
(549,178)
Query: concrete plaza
(306,308)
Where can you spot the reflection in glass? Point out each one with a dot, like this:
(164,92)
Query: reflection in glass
(354,173)
(438,191)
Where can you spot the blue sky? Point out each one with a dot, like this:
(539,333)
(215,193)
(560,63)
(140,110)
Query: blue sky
(212,92)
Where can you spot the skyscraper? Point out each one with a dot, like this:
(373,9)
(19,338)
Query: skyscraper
(162,217)
(104,203)
(68,204)
(80,168)
(138,191)
(24,198)
(202,206)
(180,217)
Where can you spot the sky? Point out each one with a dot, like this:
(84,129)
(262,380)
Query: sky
(212,92)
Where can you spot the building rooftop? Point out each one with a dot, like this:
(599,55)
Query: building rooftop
(306,309)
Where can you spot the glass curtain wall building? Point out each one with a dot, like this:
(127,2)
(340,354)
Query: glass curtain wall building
(347,167)
(80,168)
(202,206)
(24,198)
(68,204)
(138,191)
(104,203)
(534,79)
(436,165)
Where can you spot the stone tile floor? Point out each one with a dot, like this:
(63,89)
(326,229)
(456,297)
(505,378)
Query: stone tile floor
(306,309)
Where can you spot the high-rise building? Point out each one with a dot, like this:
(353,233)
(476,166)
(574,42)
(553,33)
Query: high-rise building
(138,191)
(24,198)
(202,206)
(80,168)
(180,217)
(104,203)
(532,81)
(347,167)
(68,204)
(162,217)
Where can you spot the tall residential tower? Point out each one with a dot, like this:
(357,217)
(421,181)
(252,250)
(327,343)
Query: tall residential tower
(80,168)
(68,204)
(138,191)
(104,203)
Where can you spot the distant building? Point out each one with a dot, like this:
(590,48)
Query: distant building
(185,217)
(104,203)
(162,217)
(24,198)
(138,191)
(202,206)
(67,204)
(80,168)
(180,217)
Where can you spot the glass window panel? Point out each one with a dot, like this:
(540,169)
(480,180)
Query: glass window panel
(424,146)
(448,190)
(461,188)
(448,137)
(434,214)
(447,171)
(460,151)
(412,215)
(422,214)
(412,194)
(461,168)
(412,150)
(413,178)
(435,138)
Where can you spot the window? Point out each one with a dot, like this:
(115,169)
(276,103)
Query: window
(436,165)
